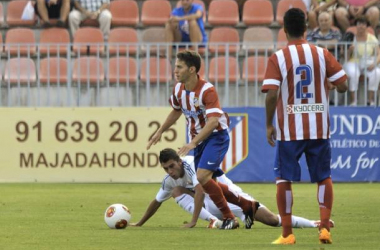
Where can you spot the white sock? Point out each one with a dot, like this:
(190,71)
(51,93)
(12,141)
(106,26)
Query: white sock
(187,203)
(298,222)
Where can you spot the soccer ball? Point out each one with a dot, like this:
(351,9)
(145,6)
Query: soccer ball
(117,216)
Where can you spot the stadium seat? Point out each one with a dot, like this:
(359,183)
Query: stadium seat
(20,40)
(223,35)
(217,70)
(284,5)
(88,40)
(21,70)
(155,12)
(54,41)
(14,13)
(88,69)
(160,70)
(154,35)
(53,70)
(123,41)
(258,38)
(258,12)
(124,12)
(353,29)
(254,68)
(200,2)
(122,70)
(223,12)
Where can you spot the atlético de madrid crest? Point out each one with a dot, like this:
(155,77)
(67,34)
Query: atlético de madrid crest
(196,102)
(238,149)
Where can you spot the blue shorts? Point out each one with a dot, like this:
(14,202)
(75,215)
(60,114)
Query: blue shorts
(210,153)
(318,158)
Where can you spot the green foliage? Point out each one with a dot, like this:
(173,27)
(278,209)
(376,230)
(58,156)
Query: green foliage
(70,216)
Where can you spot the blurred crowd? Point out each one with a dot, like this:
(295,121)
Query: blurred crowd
(332,24)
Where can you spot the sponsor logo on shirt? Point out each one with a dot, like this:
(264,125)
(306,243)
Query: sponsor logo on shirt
(191,113)
(305,108)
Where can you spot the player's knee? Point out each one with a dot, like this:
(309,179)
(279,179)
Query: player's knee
(273,220)
(202,179)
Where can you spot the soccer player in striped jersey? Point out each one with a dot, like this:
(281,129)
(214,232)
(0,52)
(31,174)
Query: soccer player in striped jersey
(208,129)
(181,183)
(297,81)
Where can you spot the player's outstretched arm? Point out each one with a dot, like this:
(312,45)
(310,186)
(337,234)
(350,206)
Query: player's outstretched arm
(150,211)
(170,120)
(198,204)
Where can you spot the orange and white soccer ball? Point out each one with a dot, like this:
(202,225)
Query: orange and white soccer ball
(117,216)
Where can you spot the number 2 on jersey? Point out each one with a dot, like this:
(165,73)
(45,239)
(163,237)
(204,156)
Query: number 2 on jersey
(306,70)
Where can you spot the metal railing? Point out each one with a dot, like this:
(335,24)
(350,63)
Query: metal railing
(142,77)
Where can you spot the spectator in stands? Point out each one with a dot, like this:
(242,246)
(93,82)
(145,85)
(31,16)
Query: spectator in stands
(325,35)
(53,9)
(319,6)
(186,24)
(349,10)
(364,54)
(91,9)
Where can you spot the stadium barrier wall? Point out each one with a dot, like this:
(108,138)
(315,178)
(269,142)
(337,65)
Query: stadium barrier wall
(84,144)
(109,145)
(355,143)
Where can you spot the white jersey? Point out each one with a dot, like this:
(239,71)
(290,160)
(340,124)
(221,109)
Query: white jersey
(189,181)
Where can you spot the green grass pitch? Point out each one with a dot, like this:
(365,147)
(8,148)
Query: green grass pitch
(70,216)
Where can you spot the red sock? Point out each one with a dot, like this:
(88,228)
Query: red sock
(235,198)
(216,195)
(284,204)
(325,200)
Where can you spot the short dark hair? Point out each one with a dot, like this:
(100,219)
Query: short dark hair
(168,154)
(191,59)
(361,19)
(295,22)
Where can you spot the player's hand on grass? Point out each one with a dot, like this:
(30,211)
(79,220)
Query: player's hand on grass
(155,138)
(271,135)
(190,225)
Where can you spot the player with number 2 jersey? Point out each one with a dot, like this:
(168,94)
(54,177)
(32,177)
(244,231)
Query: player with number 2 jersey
(297,81)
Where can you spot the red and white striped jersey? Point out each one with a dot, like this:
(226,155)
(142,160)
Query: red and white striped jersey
(301,72)
(198,105)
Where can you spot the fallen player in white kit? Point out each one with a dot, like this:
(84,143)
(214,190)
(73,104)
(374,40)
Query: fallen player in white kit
(181,184)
